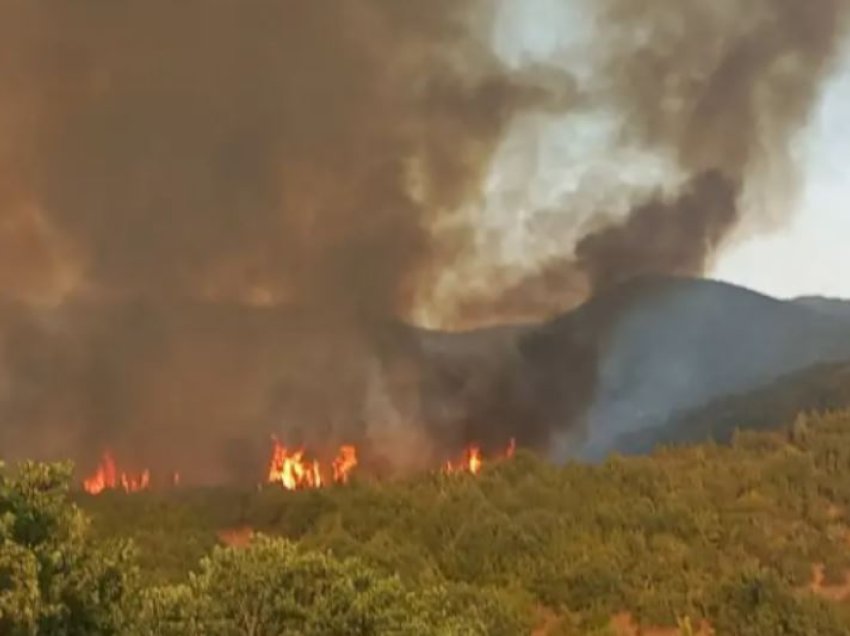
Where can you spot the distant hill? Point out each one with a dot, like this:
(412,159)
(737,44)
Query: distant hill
(629,358)
(824,387)
(830,306)
(668,344)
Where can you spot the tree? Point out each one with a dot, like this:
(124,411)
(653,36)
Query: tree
(53,578)
(275,587)
(753,604)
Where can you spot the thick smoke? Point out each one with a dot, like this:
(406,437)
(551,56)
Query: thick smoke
(675,237)
(722,88)
(719,91)
(213,213)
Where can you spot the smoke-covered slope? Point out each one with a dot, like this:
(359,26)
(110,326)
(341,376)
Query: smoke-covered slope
(623,362)
(685,342)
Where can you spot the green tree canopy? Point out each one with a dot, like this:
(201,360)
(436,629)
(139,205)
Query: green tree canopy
(53,578)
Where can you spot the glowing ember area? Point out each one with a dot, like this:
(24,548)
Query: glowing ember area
(107,477)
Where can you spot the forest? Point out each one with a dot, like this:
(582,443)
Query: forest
(749,538)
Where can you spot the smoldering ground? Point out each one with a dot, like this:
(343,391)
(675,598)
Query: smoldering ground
(216,215)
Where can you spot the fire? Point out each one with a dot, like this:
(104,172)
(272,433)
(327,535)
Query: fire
(472,461)
(293,471)
(289,468)
(107,477)
(131,483)
(104,476)
(344,464)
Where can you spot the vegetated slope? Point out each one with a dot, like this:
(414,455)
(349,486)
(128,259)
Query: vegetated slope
(728,534)
(820,388)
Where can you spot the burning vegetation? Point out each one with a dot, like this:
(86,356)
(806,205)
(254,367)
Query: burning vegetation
(291,469)
(257,244)
(294,470)
(108,477)
(472,460)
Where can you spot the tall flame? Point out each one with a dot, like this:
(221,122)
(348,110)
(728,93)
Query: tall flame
(104,477)
(344,464)
(291,470)
(107,477)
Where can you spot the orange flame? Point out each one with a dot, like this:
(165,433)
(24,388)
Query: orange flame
(344,464)
(292,471)
(472,461)
(106,477)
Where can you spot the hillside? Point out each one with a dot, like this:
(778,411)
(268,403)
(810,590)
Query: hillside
(752,538)
(829,306)
(623,362)
(677,344)
(824,387)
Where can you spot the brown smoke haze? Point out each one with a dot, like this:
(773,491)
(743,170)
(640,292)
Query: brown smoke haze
(215,215)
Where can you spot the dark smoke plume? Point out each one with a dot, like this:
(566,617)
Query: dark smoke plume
(213,213)
(213,209)
(659,236)
(720,90)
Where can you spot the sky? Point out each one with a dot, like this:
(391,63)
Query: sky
(809,254)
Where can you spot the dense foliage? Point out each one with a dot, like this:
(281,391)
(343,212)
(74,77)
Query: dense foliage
(728,535)
(53,578)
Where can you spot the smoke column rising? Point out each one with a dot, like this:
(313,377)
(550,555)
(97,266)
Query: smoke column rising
(212,214)
(718,92)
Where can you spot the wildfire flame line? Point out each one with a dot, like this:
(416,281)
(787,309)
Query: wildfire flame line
(107,477)
(288,468)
